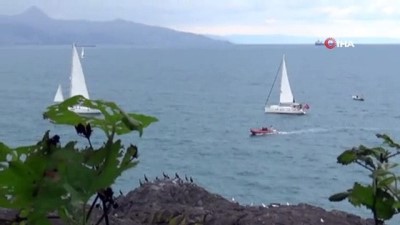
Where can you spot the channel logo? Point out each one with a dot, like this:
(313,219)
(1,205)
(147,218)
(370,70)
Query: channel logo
(331,43)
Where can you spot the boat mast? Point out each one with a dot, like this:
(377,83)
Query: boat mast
(273,83)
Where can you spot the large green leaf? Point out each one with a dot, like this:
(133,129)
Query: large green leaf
(384,205)
(112,117)
(381,200)
(347,157)
(362,195)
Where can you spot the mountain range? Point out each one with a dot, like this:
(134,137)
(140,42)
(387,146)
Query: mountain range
(34,27)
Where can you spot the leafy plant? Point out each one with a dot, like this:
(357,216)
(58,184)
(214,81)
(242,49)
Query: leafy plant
(382,196)
(49,177)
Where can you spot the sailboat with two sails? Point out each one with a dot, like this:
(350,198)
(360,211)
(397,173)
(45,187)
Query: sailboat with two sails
(77,86)
(287,103)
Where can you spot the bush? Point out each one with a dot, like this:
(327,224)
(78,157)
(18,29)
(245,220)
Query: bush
(48,177)
(382,195)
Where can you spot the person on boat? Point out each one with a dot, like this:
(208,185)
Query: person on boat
(264,128)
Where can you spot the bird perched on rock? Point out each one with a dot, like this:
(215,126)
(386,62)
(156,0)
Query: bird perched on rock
(165,176)
(187,180)
(177,176)
(145,178)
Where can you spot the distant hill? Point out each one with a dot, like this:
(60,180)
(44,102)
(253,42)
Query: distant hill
(35,27)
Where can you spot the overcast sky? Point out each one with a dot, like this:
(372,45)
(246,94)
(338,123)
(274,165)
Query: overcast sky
(320,18)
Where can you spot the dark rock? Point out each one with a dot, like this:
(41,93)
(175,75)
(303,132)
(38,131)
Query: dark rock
(174,202)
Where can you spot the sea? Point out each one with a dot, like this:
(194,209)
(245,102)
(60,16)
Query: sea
(207,99)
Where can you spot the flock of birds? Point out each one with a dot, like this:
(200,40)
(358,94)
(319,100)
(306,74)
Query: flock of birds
(177,179)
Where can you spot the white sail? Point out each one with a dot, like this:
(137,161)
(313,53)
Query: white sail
(78,83)
(59,95)
(286,95)
(82,53)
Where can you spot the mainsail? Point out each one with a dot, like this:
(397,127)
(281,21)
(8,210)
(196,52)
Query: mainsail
(78,83)
(286,95)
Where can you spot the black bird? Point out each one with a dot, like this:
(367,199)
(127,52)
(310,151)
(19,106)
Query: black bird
(145,178)
(186,178)
(191,180)
(120,192)
(165,176)
(157,179)
(177,176)
(140,183)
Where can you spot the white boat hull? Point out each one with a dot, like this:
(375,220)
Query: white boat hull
(83,110)
(357,98)
(285,109)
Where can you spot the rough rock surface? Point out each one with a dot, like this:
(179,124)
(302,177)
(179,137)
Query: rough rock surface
(174,202)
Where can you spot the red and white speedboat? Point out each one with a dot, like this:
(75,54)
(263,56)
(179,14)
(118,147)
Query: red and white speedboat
(263,131)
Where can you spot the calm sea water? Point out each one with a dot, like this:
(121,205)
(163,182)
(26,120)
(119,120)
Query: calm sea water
(206,101)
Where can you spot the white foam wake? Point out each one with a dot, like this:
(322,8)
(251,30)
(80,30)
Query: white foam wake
(304,131)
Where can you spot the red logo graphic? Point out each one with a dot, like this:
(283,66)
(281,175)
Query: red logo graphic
(330,43)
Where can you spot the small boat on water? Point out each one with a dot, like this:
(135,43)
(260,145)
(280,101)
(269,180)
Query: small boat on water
(319,43)
(263,131)
(357,98)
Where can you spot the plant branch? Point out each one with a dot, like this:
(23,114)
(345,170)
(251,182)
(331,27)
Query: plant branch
(105,214)
(366,167)
(91,207)
(393,155)
(90,143)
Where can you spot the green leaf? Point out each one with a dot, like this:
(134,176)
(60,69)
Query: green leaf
(386,181)
(112,116)
(396,205)
(361,195)
(347,157)
(108,172)
(339,197)
(388,140)
(4,152)
(384,205)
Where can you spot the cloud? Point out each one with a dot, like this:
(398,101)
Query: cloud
(338,12)
(223,17)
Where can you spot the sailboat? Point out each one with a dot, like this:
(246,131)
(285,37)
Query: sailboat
(82,53)
(77,86)
(287,103)
(59,95)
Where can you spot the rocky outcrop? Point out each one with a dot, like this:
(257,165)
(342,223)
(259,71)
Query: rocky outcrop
(177,202)
(173,202)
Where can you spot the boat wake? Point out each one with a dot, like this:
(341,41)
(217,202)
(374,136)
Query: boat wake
(304,131)
(337,129)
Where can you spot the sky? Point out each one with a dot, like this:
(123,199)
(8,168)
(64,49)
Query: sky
(317,18)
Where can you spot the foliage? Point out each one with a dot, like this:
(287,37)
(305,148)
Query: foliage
(382,196)
(48,177)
